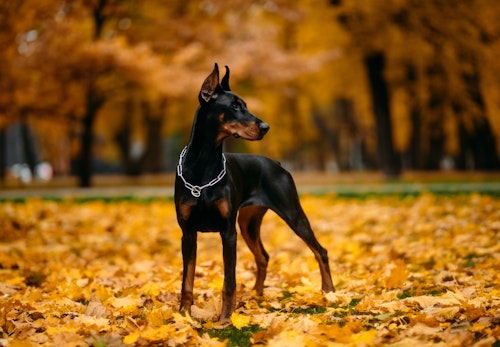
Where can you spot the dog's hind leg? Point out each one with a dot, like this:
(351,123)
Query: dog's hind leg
(249,220)
(300,225)
(285,202)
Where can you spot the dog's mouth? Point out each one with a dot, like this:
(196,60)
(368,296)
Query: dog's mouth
(249,136)
(255,131)
(246,136)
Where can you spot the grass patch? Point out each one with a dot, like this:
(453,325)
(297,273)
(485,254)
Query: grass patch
(234,336)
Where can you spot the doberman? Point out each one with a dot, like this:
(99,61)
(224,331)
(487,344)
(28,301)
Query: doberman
(212,187)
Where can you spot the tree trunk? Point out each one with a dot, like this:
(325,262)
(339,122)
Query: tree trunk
(485,153)
(31,155)
(99,15)
(388,159)
(152,160)
(131,166)
(85,162)
(2,154)
(477,142)
(413,155)
(339,132)
(93,104)
(291,109)
(432,133)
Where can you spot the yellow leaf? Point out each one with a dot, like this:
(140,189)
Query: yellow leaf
(206,340)
(68,328)
(157,334)
(239,321)
(125,302)
(480,326)
(183,319)
(131,338)
(395,274)
(341,297)
(20,343)
(99,323)
(287,338)
(82,282)
(157,317)
(15,280)
(365,338)
(102,292)
(151,288)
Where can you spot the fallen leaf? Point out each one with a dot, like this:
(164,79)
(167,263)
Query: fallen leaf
(125,303)
(239,320)
(96,309)
(395,274)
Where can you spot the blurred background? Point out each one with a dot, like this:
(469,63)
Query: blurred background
(93,87)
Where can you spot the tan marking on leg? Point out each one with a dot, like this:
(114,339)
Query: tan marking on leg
(223,207)
(254,244)
(326,278)
(188,286)
(185,210)
(187,291)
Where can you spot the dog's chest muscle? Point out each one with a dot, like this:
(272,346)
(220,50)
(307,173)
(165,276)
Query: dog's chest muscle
(205,215)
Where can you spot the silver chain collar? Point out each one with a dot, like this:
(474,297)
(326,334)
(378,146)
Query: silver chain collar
(196,190)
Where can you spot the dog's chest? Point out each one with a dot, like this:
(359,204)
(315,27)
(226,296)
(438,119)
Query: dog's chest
(205,215)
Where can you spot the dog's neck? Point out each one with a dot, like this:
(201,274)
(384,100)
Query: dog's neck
(203,160)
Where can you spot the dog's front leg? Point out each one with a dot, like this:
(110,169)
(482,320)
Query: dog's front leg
(229,289)
(189,239)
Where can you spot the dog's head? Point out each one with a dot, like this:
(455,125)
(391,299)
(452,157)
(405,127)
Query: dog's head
(231,111)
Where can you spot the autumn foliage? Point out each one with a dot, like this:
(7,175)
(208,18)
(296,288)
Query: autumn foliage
(408,271)
(396,84)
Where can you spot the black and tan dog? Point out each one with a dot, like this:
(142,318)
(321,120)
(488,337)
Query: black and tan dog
(212,187)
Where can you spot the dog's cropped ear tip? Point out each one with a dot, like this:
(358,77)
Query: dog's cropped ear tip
(225,80)
(216,67)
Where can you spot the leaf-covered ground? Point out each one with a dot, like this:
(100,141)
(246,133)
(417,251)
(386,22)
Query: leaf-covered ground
(408,271)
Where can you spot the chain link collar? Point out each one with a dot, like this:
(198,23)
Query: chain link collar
(196,190)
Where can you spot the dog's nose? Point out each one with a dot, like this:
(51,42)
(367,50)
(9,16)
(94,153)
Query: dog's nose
(264,128)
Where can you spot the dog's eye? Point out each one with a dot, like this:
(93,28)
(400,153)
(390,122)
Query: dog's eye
(235,106)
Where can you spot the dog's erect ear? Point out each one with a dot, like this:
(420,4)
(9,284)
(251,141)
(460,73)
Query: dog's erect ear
(225,81)
(208,88)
